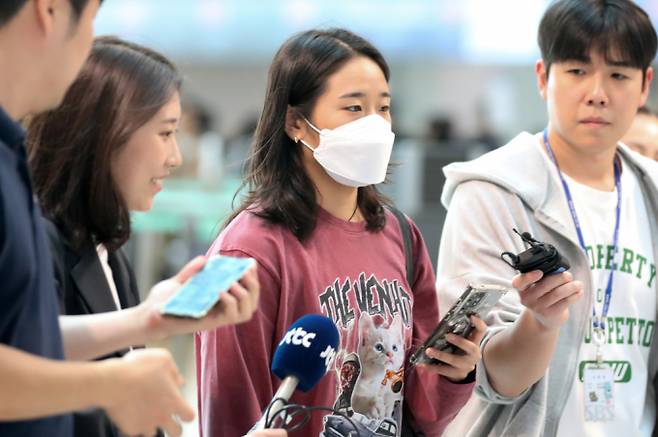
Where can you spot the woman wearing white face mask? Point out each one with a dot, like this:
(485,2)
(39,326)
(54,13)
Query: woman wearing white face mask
(357,153)
(316,223)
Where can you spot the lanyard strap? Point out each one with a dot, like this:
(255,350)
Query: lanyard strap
(615,239)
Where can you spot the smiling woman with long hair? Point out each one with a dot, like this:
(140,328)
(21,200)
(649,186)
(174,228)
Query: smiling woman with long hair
(103,153)
(99,155)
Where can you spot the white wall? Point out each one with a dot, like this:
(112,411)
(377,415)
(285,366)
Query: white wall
(421,90)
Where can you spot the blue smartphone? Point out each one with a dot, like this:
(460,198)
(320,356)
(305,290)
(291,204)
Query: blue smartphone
(203,290)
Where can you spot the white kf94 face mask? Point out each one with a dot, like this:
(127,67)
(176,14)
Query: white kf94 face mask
(357,153)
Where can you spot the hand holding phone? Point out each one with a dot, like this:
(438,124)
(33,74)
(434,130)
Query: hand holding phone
(202,291)
(183,305)
(475,301)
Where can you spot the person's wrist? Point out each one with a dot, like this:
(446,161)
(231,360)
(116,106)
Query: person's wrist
(106,380)
(468,379)
(539,325)
(147,324)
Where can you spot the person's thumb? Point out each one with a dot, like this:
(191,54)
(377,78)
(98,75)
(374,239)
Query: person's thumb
(190,269)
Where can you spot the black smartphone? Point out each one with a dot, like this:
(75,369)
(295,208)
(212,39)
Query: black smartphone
(476,300)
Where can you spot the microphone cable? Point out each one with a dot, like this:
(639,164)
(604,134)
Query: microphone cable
(291,412)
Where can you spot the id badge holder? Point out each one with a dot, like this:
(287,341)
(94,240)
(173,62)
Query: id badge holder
(599,386)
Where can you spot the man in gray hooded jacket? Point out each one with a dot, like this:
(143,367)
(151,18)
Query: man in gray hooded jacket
(588,366)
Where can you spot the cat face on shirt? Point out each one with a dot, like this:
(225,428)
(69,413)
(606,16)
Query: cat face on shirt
(381,346)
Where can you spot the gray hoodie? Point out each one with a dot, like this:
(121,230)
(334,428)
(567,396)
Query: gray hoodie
(513,187)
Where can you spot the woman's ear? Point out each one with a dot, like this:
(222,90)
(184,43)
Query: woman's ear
(295,126)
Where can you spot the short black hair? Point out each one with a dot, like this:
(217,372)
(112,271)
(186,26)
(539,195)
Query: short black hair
(9,8)
(569,29)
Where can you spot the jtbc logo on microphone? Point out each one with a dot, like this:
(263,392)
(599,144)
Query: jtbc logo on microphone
(328,354)
(298,337)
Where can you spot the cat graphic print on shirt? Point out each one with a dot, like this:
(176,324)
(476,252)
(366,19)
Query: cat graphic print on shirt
(356,277)
(371,362)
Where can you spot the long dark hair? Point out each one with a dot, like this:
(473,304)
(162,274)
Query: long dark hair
(279,190)
(120,88)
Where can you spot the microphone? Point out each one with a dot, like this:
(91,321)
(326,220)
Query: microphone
(301,360)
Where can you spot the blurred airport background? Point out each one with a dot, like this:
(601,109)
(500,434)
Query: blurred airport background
(462,82)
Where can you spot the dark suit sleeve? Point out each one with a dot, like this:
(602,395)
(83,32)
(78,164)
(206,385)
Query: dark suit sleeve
(132,280)
(3,230)
(124,279)
(56,245)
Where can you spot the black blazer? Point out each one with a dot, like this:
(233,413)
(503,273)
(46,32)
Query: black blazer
(83,289)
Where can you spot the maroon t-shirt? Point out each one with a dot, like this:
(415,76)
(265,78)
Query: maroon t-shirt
(358,279)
